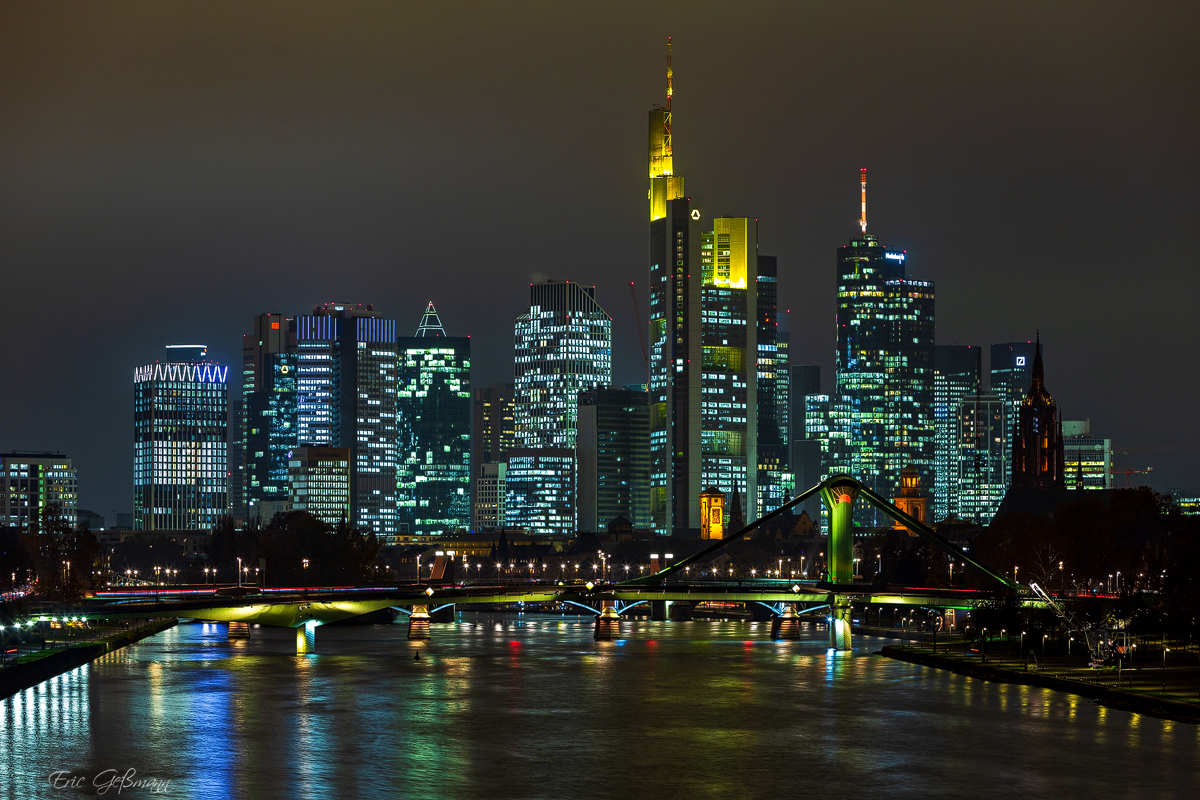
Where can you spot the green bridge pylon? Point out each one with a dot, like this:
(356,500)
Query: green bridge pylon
(838,493)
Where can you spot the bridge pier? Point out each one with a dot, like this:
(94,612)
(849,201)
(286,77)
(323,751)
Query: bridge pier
(608,624)
(238,630)
(787,625)
(306,638)
(659,609)
(840,614)
(418,623)
(681,611)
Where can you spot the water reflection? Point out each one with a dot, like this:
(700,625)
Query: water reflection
(507,706)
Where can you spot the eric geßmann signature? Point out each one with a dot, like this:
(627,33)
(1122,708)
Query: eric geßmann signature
(108,780)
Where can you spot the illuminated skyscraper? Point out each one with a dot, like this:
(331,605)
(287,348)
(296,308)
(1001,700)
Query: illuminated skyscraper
(493,430)
(346,397)
(1011,377)
(884,362)
(181,426)
(773,478)
(267,427)
(729,340)
(674,338)
(29,482)
(540,490)
(1087,458)
(434,429)
(978,481)
(489,491)
(956,375)
(563,347)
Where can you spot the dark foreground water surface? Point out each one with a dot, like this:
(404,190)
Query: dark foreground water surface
(530,707)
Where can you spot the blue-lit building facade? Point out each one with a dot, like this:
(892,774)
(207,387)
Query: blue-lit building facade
(539,490)
(433,409)
(346,397)
(181,426)
(774,479)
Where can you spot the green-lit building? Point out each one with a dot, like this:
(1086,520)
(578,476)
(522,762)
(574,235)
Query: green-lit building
(433,420)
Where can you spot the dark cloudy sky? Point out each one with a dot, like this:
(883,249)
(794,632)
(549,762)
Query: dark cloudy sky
(169,170)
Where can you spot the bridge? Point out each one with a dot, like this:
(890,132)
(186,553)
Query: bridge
(305,609)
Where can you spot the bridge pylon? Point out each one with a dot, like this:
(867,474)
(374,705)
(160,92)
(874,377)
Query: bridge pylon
(418,623)
(306,638)
(838,494)
(608,624)
(786,626)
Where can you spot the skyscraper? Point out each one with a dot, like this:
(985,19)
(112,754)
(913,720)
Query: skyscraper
(613,458)
(489,491)
(956,374)
(267,420)
(181,426)
(982,459)
(773,479)
(346,397)
(1011,375)
(539,493)
(884,362)
(805,449)
(1087,458)
(674,338)
(493,430)
(783,381)
(31,482)
(563,347)
(434,429)
(729,338)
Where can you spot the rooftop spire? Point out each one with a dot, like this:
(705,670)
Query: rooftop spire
(431,324)
(863,180)
(1039,373)
(667,116)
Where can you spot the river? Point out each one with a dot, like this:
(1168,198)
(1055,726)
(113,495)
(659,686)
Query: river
(528,706)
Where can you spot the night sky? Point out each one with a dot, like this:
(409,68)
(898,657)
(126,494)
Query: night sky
(169,170)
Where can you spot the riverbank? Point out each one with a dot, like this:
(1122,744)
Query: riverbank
(1123,699)
(32,671)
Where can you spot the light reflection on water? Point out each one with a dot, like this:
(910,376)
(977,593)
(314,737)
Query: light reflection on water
(507,706)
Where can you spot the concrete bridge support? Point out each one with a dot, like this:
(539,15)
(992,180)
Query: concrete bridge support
(839,623)
(418,623)
(306,638)
(681,611)
(608,624)
(787,625)
(238,630)
(659,610)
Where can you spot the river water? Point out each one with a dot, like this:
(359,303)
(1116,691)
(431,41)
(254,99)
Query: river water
(529,706)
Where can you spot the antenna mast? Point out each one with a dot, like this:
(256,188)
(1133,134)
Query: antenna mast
(863,222)
(667,116)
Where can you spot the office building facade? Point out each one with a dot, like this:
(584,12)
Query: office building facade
(956,375)
(346,397)
(266,419)
(774,480)
(563,347)
(181,434)
(489,490)
(613,458)
(979,484)
(433,410)
(1087,459)
(539,490)
(493,431)
(32,482)
(1010,376)
(319,483)
(884,363)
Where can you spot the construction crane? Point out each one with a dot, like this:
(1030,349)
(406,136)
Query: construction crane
(1128,472)
(637,316)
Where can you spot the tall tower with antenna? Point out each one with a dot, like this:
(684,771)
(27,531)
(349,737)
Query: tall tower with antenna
(863,183)
(664,183)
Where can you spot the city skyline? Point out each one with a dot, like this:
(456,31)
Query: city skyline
(956,204)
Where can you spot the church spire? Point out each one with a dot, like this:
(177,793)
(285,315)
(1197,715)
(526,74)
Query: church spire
(431,324)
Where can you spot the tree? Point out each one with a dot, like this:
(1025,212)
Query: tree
(63,556)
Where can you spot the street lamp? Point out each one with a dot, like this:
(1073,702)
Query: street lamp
(239,571)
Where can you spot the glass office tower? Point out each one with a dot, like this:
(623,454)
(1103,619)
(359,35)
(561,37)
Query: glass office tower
(956,375)
(181,426)
(563,347)
(773,480)
(434,429)
(1011,376)
(319,483)
(613,458)
(884,364)
(346,397)
(267,427)
(979,482)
